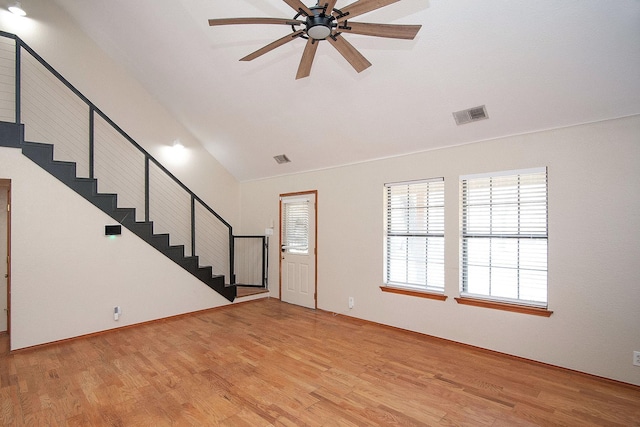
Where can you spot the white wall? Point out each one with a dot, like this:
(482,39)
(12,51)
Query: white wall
(67,276)
(55,37)
(594,254)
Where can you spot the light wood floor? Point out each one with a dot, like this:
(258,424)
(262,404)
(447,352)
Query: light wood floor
(269,363)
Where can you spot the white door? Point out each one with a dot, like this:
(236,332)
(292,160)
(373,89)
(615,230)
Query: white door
(298,249)
(4,202)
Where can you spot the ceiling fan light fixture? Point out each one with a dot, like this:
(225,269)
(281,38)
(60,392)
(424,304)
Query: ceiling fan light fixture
(17,9)
(318,32)
(319,26)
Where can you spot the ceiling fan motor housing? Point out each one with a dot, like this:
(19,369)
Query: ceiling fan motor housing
(319,25)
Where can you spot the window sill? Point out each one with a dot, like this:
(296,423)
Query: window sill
(410,292)
(536,311)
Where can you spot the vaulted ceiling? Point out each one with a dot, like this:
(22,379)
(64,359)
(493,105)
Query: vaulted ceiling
(535,65)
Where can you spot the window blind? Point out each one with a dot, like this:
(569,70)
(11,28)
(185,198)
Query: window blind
(504,236)
(414,234)
(295,226)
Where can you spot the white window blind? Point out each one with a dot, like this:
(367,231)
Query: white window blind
(295,226)
(504,236)
(414,234)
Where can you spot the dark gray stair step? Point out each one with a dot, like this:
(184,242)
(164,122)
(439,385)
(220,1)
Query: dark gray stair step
(229,292)
(11,134)
(217,284)
(190,264)
(42,154)
(38,152)
(204,273)
(176,253)
(160,241)
(125,216)
(143,230)
(86,187)
(64,171)
(105,201)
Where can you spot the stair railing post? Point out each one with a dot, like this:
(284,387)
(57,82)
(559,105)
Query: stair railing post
(193,225)
(265,261)
(232,275)
(146,188)
(91,141)
(17,77)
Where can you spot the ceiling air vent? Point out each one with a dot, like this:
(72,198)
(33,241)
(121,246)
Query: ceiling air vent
(282,158)
(471,115)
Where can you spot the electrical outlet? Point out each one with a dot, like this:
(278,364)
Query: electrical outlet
(350,302)
(636,358)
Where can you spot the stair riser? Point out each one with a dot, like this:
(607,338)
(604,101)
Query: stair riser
(86,189)
(125,216)
(142,229)
(39,153)
(106,203)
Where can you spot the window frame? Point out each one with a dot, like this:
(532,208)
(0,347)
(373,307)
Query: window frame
(430,190)
(530,306)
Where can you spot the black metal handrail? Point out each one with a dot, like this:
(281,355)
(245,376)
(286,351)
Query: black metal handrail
(93,109)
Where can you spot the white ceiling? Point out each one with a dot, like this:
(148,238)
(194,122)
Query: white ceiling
(535,65)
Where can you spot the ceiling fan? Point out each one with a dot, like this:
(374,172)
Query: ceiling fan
(324,22)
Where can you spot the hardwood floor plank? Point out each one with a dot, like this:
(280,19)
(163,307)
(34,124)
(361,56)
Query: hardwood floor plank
(269,363)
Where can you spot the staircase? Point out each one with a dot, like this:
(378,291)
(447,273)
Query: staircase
(42,154)
(47,108)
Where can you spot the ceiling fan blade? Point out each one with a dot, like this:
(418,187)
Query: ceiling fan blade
(380,30)
(350,53)
(273,45)
(298,6)
(362,6)
(232,21)
(307,59)
(330,4)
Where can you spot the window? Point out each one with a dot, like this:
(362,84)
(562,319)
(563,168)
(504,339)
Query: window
(295,226)
(504,236)
(414,235)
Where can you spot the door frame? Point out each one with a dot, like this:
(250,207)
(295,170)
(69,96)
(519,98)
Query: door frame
(315,248)
(6,183)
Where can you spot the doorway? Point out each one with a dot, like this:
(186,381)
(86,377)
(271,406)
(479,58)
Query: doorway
(298,252)
(5,265)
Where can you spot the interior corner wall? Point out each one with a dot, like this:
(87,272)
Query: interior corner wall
(593,258)
(58,39)
(67,276)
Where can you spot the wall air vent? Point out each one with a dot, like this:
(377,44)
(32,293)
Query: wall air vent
(282,158)
(470,115)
